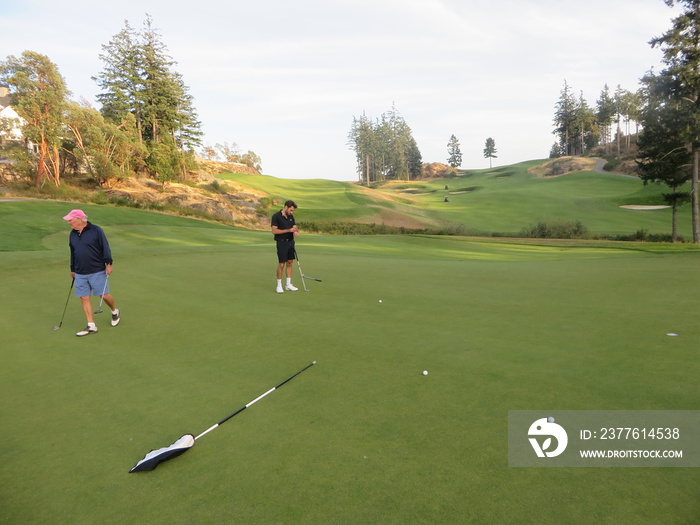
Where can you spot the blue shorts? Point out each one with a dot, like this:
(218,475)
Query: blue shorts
(285,251)
(94,282)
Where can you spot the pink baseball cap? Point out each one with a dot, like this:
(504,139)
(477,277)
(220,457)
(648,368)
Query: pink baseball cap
(75,214)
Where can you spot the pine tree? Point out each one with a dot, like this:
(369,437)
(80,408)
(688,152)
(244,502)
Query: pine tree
(120,80)
(384,149)
(490,150)
(565,119)
(664,158)
(455,155)
(605,112)
(681,55)
(139,79)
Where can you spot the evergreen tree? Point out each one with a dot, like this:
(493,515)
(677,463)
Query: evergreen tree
(565,120)
(455,155)
(385,148)
(490,150)
(605,112)
(681,55)
(121,78)
(139,79)
(414,159)
(585,127)
(664,158)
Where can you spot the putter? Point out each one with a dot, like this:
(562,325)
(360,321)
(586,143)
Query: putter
(104,289)
(66,306)
(296,256)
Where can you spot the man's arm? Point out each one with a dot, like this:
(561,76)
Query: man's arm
(277,231)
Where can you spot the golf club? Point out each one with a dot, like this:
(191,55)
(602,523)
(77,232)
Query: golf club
(182,445)
(301,272)
(64,308)
(104,289)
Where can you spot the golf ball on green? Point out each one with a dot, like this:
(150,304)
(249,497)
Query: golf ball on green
(380,300)
(425,372)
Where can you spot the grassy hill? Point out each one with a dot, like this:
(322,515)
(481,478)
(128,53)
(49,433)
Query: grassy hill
(494,201)
(491,202)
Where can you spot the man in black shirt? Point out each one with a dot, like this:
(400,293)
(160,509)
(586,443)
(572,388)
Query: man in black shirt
(285,230)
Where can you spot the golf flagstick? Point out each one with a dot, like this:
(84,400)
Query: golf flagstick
(182,445)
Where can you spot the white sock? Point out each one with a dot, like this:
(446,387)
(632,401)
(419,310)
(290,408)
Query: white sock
(289,281)
(279,282)
(92,325)
(115,312)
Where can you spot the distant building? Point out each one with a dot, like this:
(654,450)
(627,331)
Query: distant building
(10,122)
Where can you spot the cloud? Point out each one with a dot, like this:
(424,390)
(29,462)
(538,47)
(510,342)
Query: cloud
(285,79)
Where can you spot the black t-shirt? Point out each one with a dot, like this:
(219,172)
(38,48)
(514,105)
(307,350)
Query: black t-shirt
(283,223)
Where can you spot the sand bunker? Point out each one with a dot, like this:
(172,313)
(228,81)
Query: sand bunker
(636,207)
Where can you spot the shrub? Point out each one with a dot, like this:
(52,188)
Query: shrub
(555,230)
(645,236)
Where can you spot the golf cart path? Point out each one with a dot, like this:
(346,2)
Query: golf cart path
(600,163)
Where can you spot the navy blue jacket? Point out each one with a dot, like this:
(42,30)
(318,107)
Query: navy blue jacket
(89,250)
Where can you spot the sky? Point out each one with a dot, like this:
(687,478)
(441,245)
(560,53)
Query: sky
(285,78)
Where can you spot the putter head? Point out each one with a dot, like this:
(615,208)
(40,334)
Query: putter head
(56,328)
(98,311)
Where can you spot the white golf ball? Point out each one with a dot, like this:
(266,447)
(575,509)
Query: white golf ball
(550,419)
(425,372)
(380,300)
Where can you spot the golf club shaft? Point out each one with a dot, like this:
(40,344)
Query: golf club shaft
(66,305)
(254,401)
(104,289)
(296,256)
(301,272)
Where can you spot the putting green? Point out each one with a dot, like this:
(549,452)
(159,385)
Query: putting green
(363,436)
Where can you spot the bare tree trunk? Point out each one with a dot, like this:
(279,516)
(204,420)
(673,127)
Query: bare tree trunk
(694,191)
(674,223)
(41,166)
(56,165)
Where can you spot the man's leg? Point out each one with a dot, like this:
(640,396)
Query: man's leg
(109,301)
(280,272)
(87,308)
(289,285)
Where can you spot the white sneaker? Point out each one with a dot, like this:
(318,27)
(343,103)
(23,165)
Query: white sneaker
(116,318)
(279,289)
(87,331)
(291,287)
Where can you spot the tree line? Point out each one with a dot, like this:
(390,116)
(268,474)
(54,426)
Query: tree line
(385,148)
(147,123)
(665,113)
(580,127)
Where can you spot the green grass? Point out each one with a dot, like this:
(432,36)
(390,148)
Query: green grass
(501,200)
(362,437)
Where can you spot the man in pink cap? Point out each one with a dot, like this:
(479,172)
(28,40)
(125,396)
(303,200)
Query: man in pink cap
(90,265)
